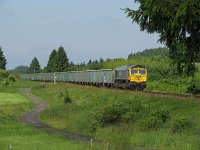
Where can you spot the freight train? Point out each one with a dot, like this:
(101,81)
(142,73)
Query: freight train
(133,77)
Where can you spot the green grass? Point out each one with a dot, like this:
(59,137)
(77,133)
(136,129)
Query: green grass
(21,136)
(12,98)
(86,101)
(24,138)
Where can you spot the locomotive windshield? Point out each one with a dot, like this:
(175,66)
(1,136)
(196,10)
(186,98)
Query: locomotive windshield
(142,71)
(134,72)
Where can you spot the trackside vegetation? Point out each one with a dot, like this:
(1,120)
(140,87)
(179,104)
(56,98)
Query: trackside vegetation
(124,119)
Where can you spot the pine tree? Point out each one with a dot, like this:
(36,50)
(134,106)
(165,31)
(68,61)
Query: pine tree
(3,60)
(51,66)
(62,62)
(34,66)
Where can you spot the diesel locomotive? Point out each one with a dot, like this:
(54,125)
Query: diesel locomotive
(133,77)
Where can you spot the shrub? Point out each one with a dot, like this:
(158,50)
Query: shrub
(116,112)
(3,74)
(180,124)
(67,99)
(6,78)
(129,116)
(11,78)
(194,86)
(155,120)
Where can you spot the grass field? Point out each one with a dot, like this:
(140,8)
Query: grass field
(23,137)
(180,130)
(12,98)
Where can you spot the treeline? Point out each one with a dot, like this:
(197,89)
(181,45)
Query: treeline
(155,60)
(58,62)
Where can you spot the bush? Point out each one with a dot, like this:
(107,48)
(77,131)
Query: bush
(180,124)
(116,112)
(3,74)
(6,78)
(129,117)
(155,120)
(67,99)
(194,87)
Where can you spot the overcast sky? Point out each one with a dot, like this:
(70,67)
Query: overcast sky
(87,29)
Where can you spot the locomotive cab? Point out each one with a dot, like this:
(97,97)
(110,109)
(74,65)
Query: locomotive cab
(138,77)
(131,77)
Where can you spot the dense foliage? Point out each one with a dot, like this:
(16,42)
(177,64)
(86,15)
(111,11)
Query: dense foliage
(3,60)
(194,86)
(150,53)
(6,77)
(177,23)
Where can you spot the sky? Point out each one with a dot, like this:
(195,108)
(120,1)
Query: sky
(87,29)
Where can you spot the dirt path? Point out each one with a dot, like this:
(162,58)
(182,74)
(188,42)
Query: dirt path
(31,118)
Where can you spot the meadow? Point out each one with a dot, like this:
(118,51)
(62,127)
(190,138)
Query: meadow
(12,98)
(121,119)
(20,136)
(124,119)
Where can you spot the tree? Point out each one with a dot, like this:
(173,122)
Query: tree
(62,62)
(177,23)
(34,66)
(3,60)
(51,66)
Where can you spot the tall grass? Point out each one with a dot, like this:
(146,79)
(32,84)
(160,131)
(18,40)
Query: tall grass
(79,115)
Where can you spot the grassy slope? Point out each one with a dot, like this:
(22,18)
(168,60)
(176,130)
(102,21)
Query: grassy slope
(22,137)
(78,116)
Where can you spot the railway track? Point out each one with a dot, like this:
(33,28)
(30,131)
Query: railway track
(185,96)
